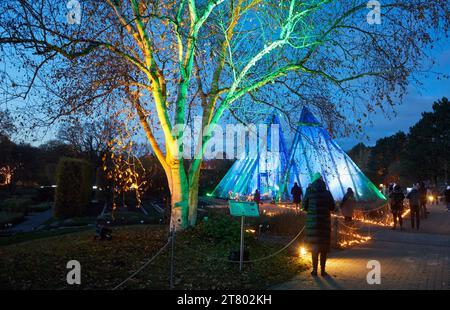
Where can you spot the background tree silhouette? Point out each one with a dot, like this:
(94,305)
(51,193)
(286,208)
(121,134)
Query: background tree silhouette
(165,61)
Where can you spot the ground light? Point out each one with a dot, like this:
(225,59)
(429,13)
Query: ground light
(302,251)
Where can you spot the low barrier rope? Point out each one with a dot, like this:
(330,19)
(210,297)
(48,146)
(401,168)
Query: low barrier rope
(252,260)
(144,265)
(348,227)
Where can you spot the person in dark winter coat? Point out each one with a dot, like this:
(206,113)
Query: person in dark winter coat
(423,199)
(318,202)
(391,188)
(414,205)
(257,197)
(297,193)
(396,201)
(348,205)
(447,197)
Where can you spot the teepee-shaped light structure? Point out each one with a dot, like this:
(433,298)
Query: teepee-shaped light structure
(264,170)
(313,150)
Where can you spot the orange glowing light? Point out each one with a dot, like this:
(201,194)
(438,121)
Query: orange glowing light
(302,251)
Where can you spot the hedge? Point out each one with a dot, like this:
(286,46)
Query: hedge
(74,189)
(16,205)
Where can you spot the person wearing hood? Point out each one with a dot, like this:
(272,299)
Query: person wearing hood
(318,203)
(414,205)
(297,193)
(396,201)
(348,205)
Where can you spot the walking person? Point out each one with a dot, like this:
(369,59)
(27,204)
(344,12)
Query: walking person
(396,201)
(348,205)
(423,199)
(391,188)
(297,193)
(447,198)
(318,202)
(414,205)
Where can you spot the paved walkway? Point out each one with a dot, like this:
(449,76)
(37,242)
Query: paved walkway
(33,221)
(409,259)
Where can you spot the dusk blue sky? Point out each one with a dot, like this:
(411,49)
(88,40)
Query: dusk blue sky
(408,113)
(416,102)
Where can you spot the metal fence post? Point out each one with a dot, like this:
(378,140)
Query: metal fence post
(336,234)
(241,257)
(172,266)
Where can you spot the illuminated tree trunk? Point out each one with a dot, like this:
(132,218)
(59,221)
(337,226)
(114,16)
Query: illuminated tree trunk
(193,197)
(179,191)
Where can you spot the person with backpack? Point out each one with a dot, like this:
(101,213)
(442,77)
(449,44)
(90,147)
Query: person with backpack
(396,201)
(414,205)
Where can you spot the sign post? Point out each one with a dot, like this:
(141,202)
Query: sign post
(243,209)
(241,254)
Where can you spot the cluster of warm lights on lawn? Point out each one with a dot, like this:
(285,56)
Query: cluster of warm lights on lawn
(6,174)
(124,169)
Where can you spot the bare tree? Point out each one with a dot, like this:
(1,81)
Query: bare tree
(167,60)
(7,127)
(89,137)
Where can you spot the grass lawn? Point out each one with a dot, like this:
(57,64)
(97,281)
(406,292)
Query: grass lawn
(10,217)
(34,235)
(119,218)
(41,264)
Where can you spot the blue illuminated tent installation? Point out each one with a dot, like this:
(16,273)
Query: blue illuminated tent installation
(312,151)
(265,171)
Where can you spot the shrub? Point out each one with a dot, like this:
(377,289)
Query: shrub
(127,218)
(16,205)
(39,207)
(282,224)
(73,191)
(46,193)
(220,228)
(10,218)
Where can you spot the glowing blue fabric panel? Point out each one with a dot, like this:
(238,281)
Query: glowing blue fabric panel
(265,172)
(315,151)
